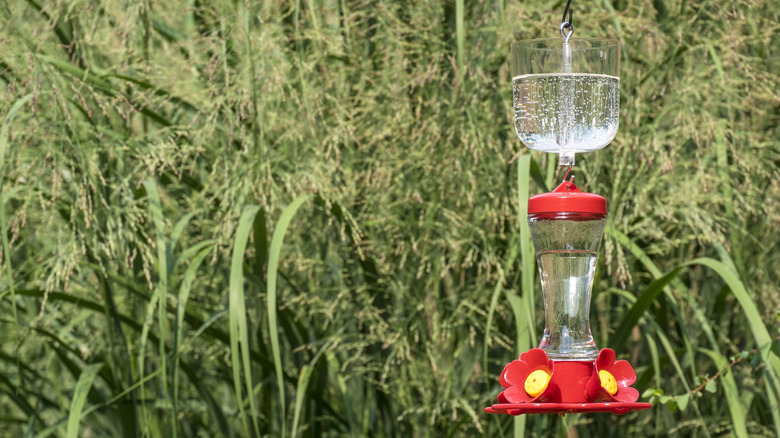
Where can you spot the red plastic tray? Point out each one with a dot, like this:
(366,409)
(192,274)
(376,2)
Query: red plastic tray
(565,408)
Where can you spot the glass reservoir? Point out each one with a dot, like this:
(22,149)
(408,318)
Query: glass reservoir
(566,227)
(566,94)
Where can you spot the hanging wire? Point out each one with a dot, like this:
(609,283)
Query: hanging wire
(566,24)
(565,175)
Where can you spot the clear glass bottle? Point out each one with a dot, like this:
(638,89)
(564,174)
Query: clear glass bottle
(566,94)
(566,227)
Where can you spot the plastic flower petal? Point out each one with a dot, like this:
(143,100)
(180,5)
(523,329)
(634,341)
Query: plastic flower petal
(515,374)
(623,374)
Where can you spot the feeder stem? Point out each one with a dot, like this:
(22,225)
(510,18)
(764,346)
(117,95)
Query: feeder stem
(566,113)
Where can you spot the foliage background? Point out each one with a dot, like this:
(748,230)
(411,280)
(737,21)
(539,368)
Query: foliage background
(154,153)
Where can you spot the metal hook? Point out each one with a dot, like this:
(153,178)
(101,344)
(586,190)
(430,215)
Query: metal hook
(563,27)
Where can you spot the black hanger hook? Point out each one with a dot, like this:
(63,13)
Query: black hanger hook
(567,24)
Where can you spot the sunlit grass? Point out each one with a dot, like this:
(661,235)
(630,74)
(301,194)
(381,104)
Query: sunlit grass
(305,218)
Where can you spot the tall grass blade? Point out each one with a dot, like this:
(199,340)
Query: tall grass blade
(239,332)
(701,318)
(274,253)
(145,333)
(313,10)
(3,218)
(177,232)
(489,323)
(673,359)
(726,183)
(641,305)
(303,384)
(757,327)
(300,393)
(459,34)
(772,389)
(9,118)
(260,241)
(161,291)
(80,397)
(344,393)
(528,259)
(737,409)
(183,298)
(499,287)
(654,358)
(122,394)
(527,254)
(536,175)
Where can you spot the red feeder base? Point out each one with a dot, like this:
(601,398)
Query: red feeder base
(565,408)
(574,386)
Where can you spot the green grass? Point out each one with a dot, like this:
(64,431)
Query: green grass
(306,218)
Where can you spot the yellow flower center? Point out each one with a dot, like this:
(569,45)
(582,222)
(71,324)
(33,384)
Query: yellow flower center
(536,383)
(607,381)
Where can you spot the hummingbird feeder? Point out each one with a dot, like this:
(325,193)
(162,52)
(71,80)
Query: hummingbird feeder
(566,97)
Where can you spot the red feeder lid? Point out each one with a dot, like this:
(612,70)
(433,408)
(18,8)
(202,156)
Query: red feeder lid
(567,198)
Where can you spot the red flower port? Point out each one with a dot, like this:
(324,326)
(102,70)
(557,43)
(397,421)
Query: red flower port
(516,373)
(623,376)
